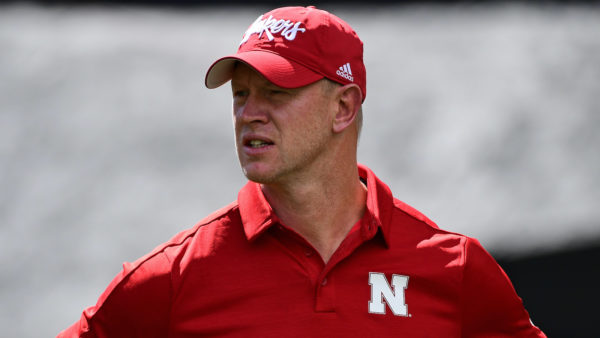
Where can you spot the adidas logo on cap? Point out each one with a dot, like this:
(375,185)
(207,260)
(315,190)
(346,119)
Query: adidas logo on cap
(345,72)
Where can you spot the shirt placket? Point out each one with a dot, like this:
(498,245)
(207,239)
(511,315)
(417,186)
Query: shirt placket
(325,293)
(323,276)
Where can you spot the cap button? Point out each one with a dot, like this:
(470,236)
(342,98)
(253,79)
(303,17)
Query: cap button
(311,7)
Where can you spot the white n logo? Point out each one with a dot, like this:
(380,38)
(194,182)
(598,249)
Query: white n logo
(380,289)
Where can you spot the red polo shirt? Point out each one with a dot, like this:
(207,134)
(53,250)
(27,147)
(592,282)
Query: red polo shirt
(241,272)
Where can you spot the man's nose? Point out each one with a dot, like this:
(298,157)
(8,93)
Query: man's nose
(255,109)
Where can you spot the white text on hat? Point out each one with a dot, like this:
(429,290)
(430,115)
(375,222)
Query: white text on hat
(270,26)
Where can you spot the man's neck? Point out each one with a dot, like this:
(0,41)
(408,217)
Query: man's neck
(322,208)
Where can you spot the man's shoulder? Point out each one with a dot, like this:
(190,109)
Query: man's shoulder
(412,226)
(146,285)
(220,219)
(413,213)
(223,217)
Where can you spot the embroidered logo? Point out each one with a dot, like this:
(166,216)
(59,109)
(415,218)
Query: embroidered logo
(270,26)
(381,290)
(345,72)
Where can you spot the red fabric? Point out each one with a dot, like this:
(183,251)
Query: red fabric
(240,272)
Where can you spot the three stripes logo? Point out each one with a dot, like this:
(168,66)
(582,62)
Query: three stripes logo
(345,72)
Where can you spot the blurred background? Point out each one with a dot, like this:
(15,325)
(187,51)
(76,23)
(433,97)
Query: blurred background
(484,116)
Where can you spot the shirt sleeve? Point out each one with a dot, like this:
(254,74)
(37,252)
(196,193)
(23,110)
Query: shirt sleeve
(136,303)
(490,306)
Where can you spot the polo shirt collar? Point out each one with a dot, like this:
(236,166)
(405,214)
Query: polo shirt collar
(257,215)
(380,202)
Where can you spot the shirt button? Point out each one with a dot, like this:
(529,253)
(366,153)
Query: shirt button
(324,282)
(308,252)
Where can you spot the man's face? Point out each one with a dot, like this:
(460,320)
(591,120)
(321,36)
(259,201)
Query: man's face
(280,133)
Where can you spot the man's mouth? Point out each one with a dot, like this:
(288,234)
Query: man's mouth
(258,143)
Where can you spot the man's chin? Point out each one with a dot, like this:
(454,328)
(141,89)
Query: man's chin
(259,176)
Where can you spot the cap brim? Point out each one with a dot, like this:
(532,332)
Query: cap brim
(278,70)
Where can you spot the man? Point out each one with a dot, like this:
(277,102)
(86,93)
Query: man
(315,245)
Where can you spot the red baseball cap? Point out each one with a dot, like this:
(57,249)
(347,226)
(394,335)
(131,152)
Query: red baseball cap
(296,46)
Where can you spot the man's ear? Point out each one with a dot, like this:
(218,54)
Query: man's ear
(349,99)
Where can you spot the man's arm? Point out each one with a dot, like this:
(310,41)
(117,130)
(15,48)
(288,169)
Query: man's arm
(136,303)
(490,305)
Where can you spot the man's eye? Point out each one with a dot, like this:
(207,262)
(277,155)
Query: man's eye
(277,92)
